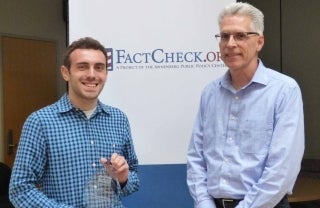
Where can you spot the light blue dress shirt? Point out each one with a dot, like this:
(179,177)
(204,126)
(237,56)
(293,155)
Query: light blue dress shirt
(247,144)
(60,149)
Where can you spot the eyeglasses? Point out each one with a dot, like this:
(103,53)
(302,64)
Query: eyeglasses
(237,36)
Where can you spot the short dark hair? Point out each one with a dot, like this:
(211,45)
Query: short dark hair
(83,43)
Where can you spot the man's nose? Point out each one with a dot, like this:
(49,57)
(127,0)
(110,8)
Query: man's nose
(91,71)
(231,41)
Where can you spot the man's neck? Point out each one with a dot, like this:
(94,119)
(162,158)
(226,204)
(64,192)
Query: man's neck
(84,104)
(241,77)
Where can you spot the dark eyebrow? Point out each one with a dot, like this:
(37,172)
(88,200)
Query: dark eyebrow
(96,64)
(82,63)
(100,64)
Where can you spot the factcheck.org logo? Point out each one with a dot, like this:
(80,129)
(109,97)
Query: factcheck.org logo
(110,59)
(121,59)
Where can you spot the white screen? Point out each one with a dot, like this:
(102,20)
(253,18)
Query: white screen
(159,50)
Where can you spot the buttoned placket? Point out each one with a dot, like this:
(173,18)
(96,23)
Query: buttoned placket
(230,134)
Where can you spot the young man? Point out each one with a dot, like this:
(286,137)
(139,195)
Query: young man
(248,138)
(63,145)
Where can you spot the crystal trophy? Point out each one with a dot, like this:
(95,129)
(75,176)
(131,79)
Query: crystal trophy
(103,189)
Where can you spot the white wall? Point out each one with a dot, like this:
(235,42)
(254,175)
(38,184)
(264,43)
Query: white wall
(163,54)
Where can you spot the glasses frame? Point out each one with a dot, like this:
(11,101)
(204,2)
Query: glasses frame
(237,36)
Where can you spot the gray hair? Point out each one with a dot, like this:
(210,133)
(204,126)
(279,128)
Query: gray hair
(244,9)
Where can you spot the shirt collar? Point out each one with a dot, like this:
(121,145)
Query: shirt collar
(65,105)
(260,77)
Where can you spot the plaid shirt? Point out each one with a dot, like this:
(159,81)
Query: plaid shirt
(60,150)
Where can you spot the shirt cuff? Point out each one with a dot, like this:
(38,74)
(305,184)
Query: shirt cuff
(208,203)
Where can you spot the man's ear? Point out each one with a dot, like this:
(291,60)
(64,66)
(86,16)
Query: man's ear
(260,42)
(65,73)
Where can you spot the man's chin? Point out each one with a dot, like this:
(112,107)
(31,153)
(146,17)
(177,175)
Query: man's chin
(232,65)
(91,95)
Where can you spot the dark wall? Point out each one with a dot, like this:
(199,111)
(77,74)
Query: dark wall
(292,45)
(300,59)
(271,52)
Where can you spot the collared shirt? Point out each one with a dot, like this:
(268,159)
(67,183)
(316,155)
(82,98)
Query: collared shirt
(248,143)
(60,150)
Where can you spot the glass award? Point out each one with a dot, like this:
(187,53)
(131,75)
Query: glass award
(103,189)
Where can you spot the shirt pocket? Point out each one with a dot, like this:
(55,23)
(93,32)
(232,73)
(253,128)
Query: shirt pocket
(255,136)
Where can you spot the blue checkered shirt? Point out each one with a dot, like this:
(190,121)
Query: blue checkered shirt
(60,150)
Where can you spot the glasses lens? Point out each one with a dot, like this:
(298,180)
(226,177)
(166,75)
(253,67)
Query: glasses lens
(240,36)
(225,36)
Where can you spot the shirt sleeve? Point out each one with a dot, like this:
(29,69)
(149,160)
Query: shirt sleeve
(196,167)
(285,153)
(133,182)
(29,167)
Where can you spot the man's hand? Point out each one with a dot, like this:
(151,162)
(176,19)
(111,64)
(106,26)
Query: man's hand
(120,167)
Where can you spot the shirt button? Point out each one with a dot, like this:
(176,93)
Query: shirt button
(92,142)
(230,139)
(94,165)
(236,97)
(233,117)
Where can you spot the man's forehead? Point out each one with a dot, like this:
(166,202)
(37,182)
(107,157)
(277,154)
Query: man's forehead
(87,55)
